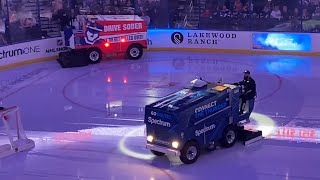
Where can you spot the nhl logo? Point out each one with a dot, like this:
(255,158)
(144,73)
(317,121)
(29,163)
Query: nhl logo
(59,42)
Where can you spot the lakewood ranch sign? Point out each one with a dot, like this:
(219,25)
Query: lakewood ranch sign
(208,38)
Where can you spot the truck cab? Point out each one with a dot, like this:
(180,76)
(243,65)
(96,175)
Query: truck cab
(107,35)
(198,116)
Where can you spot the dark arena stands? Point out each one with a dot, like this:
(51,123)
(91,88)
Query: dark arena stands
(26,20)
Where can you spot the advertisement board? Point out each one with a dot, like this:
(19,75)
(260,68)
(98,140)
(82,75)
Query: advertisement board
(282,41)
(315,43)
(172,38)
(33,50)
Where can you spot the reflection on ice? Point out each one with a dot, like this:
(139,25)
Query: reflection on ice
(115,131)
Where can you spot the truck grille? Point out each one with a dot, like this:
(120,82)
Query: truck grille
(163,137)
(162,143)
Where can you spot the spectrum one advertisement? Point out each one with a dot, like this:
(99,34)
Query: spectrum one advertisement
(282,41)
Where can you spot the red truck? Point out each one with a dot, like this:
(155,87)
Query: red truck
(107,35)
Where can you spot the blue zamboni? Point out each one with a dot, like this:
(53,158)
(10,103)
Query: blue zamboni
(199,116)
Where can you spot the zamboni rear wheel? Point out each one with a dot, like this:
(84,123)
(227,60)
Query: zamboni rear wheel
(94,55)
(134,52)
(190,152)
(157,153)
(229,137)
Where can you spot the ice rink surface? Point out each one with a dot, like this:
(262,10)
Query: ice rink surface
(87,122)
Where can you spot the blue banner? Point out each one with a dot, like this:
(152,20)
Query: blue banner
(282,41)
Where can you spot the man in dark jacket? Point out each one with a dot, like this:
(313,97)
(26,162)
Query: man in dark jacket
(249,91)
(64,17)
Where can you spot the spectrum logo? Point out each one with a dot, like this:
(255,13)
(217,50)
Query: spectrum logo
(204,130)
(158,122)
(18,52)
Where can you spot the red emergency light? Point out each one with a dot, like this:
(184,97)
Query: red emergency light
(123,40)
(109,79)
(107,44)
(125,80)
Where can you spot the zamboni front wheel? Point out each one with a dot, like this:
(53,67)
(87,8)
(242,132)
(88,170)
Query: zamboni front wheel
(135,52)
(157,153)
(229,137)
(190,152)
(94,55)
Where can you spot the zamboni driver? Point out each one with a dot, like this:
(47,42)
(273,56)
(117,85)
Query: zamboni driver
(249,93)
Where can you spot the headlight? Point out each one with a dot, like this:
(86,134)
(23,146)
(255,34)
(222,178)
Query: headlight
(150,138)
(175,144)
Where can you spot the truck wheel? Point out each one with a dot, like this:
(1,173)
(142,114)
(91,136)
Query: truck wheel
(135,52)
(157,153)
(229,137)
(190,152)
(94,56)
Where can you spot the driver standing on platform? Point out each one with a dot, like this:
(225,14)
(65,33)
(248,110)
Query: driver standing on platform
(249,93)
